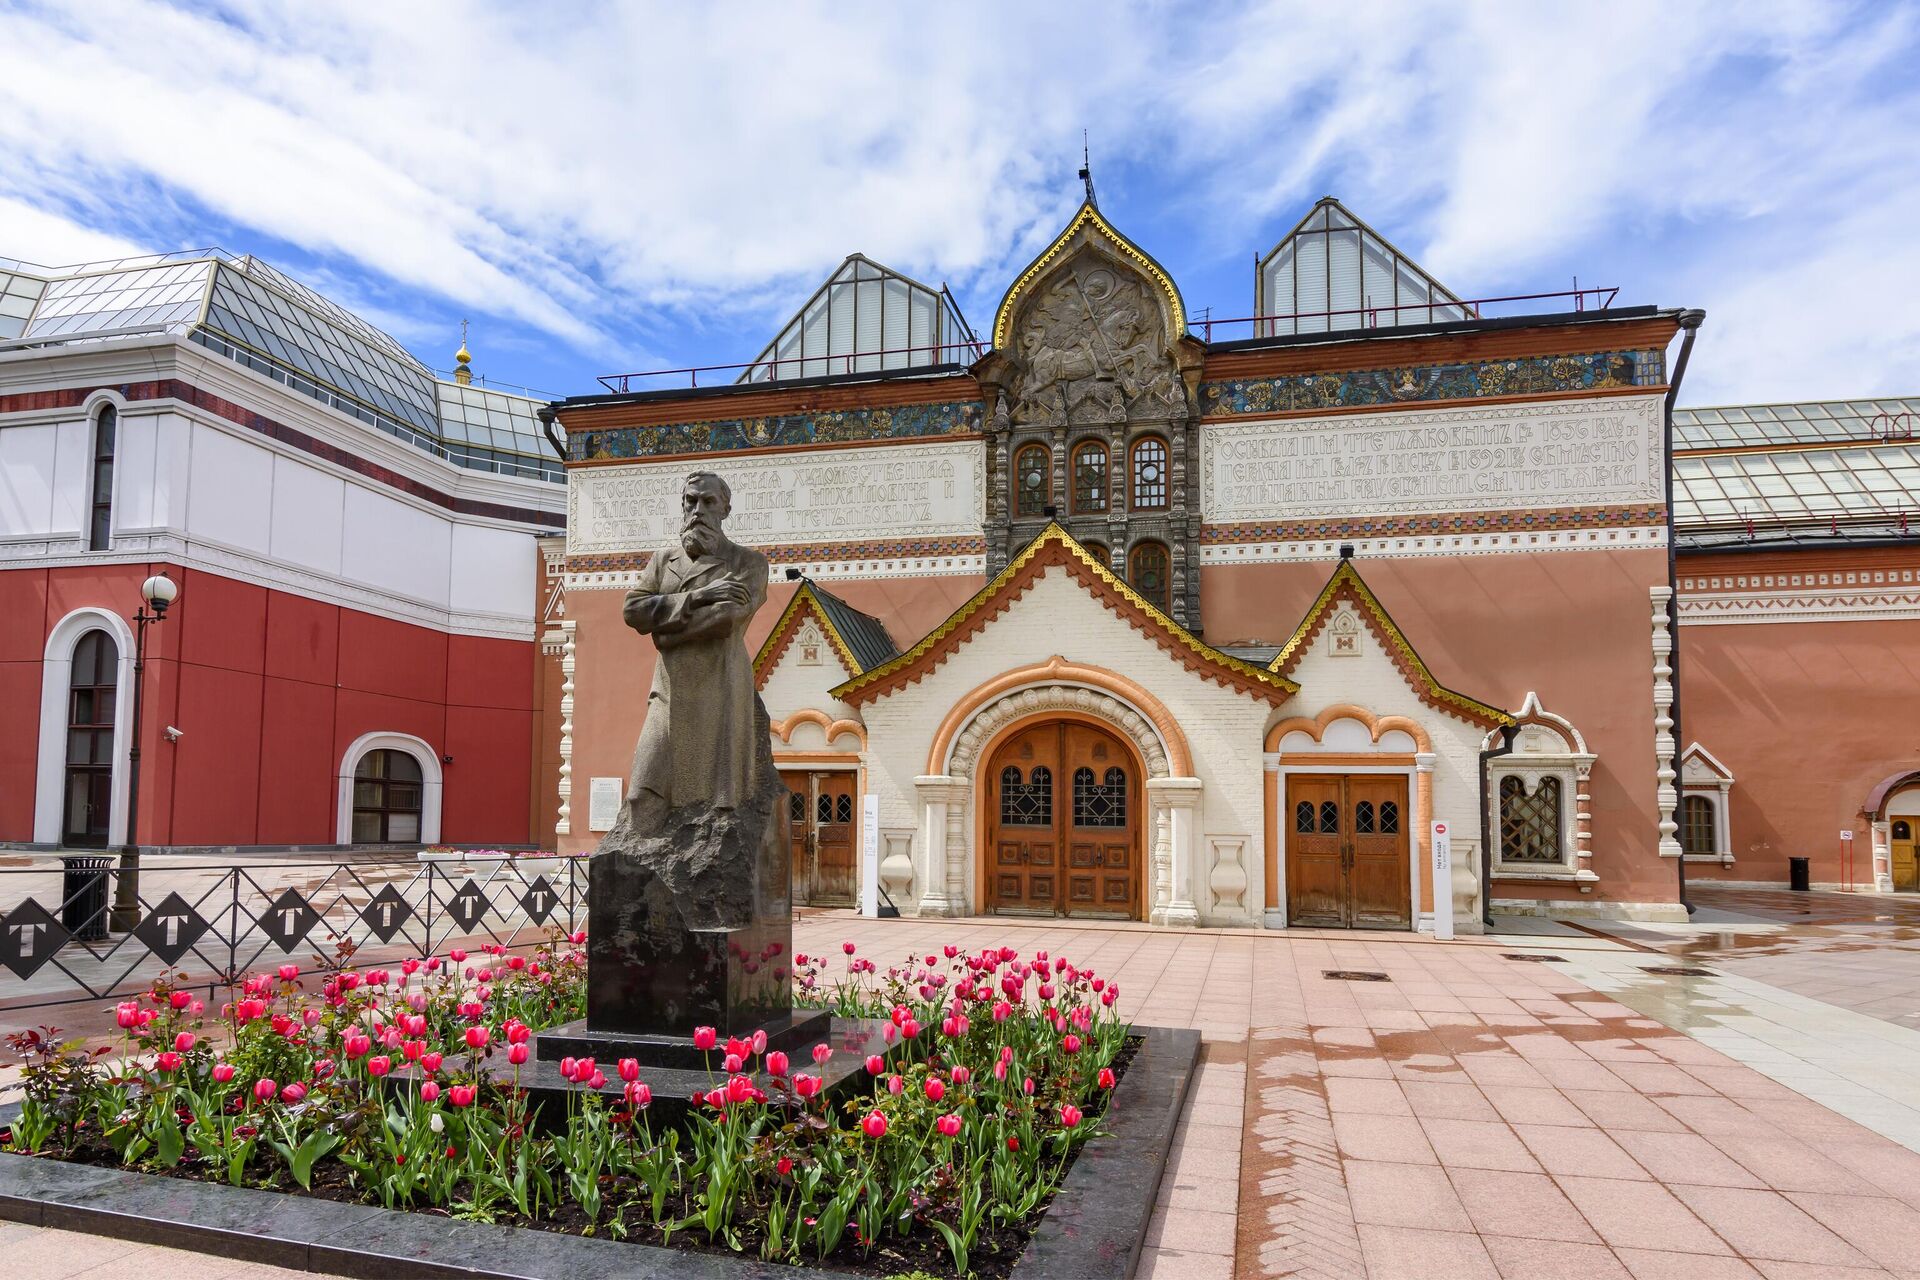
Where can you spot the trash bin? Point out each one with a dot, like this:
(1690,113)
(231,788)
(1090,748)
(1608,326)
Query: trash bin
(83,897)
(1797,875)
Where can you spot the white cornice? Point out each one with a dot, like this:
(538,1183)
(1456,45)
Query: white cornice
(824,570)
(1868,605)
(1451,544)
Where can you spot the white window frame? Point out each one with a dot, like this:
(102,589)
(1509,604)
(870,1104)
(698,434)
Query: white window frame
(1702,774)
(1546,746)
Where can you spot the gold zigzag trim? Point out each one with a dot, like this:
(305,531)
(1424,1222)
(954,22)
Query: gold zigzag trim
(804,600)
(1088,214)
(1347,579)
(1052,535)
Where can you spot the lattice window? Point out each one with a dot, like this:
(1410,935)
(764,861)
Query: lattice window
(1099,804)
(1389,817)
(1363,818)
(1090,478)
(1147,572)
(823,809)
(1303,818)
(1150,474)
(1696,826)
(1329,818)
(1026,804)
(1530,821)
(843,808)
(796,807)
(1033,480)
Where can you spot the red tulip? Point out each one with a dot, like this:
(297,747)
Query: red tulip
(461,1095)
(1013,1144)
(783,1166)
(429,1091)
(732,1063)
(776,1063)
(949,1125)
(597,1080)
(293,1093)
(876,1064)
(379,1066)
(357,1045)
(566,1067)
(517,1054)
(518,1032)
(430,1062)
(629,1070)
(875,1125)
(457,956)
(183,1041)
(288,972)
(847,947)
(223,1073)
(583,1070)
(1069,1115)
(951,950)
(806,1086)
(639,1095)
(127,1014)
(1106,1077)
(736,1047)
(703,1038)
(935,1089)
(477,1037)
(264,1089)
(168,1061)
(1071,1044)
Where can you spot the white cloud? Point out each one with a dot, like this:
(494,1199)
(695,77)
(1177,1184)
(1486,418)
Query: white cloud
(643,171)
(53,240)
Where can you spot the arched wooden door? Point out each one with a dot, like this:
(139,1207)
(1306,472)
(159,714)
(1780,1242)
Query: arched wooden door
(1063,824)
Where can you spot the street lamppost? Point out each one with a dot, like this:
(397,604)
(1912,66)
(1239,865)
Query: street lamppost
(158,592)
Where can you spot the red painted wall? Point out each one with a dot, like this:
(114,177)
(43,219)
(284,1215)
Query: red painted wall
(270,689)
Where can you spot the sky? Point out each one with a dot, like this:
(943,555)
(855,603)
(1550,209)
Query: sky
(615,187)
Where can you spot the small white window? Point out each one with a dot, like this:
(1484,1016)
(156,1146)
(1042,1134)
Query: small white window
(1705,793)
(1534,798)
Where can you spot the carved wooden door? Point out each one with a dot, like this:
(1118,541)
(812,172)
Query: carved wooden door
(1347,849)
(1024,830)
(1101,819)
(799,830)
(1064,824)
(833,840)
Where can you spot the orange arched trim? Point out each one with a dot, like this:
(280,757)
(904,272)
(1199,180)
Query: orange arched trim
(1378,726)
(834,728)
(1058,669)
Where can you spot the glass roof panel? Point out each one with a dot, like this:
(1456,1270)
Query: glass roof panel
(845,326)
(166,295)
(1312,281)
(1723,427)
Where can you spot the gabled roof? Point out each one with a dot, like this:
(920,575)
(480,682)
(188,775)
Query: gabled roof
(1089,219)
(859,639)
(1056,548)
(1346,584)
(1332,262)
(1697,753)
(866,318)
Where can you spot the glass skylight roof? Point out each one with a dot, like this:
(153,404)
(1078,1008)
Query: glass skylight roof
(865,319)
(1738,426)
(1868,483)
(258,317)
(1334,272)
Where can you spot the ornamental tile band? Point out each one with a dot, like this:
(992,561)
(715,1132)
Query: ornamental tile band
(1408,384)
(839,426)
(1401,526)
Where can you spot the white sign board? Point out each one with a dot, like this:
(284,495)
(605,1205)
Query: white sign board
(1442,881)
(1490,458)
(824,495)
(870,855)
(603,803)
(1846,835)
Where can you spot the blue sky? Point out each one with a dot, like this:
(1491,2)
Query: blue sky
(614,187)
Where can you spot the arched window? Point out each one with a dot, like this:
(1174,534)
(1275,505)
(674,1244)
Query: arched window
(92,692)
(100,524)
(1098,550)
(1147,572)
(1696,826)
(1032,480)
(1026,804)
(386,798)
(1529,821)
(1090,478)
(1099,804)
(1150,474)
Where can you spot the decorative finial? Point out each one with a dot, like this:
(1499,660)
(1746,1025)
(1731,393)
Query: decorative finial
(1086,168)
(463,359)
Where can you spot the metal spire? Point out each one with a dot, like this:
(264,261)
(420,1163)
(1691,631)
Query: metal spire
(1086,168)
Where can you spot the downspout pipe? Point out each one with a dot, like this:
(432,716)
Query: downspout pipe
(559,446)
(1508,732)
(1690,321)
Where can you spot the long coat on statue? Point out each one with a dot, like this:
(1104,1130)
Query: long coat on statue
(701,733)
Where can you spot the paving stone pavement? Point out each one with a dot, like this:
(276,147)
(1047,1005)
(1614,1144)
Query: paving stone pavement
(1472,1115)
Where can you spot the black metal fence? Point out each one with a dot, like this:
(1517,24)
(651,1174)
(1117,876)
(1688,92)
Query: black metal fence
(219,922)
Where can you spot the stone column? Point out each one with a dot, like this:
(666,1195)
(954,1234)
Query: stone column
(1666,796)
(1882,836)
(1180,798)
(936,886)
(563,825)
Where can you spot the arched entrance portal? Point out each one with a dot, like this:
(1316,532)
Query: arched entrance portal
(1064,829)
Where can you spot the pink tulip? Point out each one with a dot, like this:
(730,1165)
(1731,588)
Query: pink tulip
(430,1062)
(776,1063)
(457,956)
(935,1090)
(293,1093)
(288,972)
(477,1037)
(265,1089)
(629,1069)
(759,1043)
(875,1125)
(806,1086)
(847,947)
(168,1061)
(1106,1077)
(429,1091)
(183,1041)
(909,1028)
(876,1064)
(518,1032)
(566,1067)
(821,1053)
(180,999)
(732,1063)
(223,1073)
(704,1038)
(895,1084)
(461,1095)
(1069,1115)
(961,1075)
(517,1054)
(127,1014)
(999,1071)
(1071,1044)
(597,1080)
(1026,1086)
(357,1045)
(639,1095)
(948,1125)
(379,1066)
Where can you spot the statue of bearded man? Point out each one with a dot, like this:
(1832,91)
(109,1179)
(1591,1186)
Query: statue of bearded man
(704,725)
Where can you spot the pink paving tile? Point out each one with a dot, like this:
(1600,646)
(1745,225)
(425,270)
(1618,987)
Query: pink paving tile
(1588,1074)
(1367,1068)
(1892,1168)
(1520,1259)
(1819,1271)
(1714,1115)
(1640,1215)
(1743,1083)
(1546,1050)
(1661,1078)
(1168,1264)
(1404,1195)
(1519,1204)
(1448,1099)
(1887,1231)
(1510,1070)
(1656,1264)
(1584,1153)
(1192,1231)
(1369,1137)
(1534,1106)
(1765,1224)
(1616,1111)
(1375,1097)
(1788,1164)
(1683,1157)
(1478,1144)
(1400,1253)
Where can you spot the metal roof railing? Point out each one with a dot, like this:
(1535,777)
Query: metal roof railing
(1431,312)
(840,363)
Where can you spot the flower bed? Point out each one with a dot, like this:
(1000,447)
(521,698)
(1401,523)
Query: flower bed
(399,1088)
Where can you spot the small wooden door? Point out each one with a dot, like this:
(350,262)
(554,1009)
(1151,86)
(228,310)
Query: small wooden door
(1347,851)
(1906,867)
(821,819)
(1064,824)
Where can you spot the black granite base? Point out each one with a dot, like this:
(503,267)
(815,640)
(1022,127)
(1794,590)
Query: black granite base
(793,1033)
(1093,1230)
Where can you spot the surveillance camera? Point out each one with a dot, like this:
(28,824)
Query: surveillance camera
(174,735)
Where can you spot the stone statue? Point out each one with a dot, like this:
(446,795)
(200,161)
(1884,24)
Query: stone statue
(704,723)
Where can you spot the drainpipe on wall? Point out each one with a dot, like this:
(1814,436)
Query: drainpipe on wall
(1690,321)
(545,414)
(1508,732)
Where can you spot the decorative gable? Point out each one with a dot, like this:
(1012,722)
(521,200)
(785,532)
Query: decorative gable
(819,629)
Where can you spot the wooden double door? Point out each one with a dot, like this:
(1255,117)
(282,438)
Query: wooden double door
(822,814)
(1347,841)
(1064,809)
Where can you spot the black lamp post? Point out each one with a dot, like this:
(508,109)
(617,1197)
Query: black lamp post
(158,592)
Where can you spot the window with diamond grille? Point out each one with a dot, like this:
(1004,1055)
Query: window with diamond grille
(1032,480)
(1099,804)
(1529,821)
(1363,818)
(843,808)
(1090,478)
(1329,818)
(796,807)
(1303,817)
(1029,803)
(1389,817)
(1150,474)
(1147,572)
(1696,826)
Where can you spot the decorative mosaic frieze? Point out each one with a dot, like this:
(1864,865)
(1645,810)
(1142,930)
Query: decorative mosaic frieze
(1410,384)
(1456,522)
(837,426)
